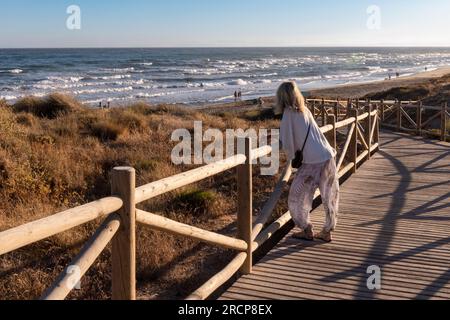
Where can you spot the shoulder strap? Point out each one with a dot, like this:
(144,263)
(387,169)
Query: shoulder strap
(307,136)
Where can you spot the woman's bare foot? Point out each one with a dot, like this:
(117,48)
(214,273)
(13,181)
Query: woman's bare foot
(324,236)
(307,234)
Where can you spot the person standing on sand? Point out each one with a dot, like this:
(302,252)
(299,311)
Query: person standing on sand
(299,133)
(235,96)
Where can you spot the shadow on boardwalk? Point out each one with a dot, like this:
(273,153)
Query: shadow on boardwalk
(395,214)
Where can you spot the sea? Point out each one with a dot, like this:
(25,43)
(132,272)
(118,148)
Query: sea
(197,76)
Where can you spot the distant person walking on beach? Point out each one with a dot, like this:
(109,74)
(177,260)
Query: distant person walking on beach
(310,151)
(235,96)
(240,95)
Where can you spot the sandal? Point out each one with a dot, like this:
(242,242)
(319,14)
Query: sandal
(306,234)
(324,236)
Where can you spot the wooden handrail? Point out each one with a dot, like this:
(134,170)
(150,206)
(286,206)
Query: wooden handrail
(270,205)
(166,225)
(163,186)
(38,230)
(84,260)
(346,146)
(219,279)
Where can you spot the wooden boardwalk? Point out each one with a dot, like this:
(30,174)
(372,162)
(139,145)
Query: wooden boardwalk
(395,214)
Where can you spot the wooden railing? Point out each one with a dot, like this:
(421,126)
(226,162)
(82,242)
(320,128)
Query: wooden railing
(120,213)
(407,116)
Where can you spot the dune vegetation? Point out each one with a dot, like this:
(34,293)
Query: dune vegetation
(56,153)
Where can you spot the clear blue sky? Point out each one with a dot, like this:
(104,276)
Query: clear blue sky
(198,23)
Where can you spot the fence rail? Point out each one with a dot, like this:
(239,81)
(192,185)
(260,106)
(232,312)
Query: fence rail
(121,215)
(407,116)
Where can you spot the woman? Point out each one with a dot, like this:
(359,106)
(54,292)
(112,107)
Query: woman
(299,131)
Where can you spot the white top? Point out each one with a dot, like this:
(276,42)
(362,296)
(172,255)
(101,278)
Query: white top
(293,131)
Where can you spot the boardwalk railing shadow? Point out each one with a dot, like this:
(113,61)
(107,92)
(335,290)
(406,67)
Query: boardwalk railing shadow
(393,240)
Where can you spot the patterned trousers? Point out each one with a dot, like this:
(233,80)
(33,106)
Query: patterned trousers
(301,196)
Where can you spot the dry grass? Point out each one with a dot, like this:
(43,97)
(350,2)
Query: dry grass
(56,154)
(50,107)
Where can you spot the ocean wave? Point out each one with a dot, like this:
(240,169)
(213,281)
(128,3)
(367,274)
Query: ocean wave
(12,71)
(238,82)
(118,70)
(69,79)
(16,71)
(100,90)
(110,77)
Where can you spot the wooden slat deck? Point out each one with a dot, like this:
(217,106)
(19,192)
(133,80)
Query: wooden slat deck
(395,214)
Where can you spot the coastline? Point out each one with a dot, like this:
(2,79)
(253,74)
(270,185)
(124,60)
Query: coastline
(355,90)
(358,90)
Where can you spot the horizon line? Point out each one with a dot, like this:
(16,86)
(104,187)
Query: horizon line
(221,47)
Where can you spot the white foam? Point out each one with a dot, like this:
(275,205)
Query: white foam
(16,71)
(99,90)
(238,82)
(8,98)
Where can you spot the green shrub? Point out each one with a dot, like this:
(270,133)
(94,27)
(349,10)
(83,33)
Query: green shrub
(196,202)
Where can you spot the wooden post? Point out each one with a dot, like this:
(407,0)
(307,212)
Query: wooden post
(382,116)
(336,111)
(419,118)
(349,107)
(399,115)
(376,137)
(245,205)
(368,129)
(324,120)
(444,122)
(313,109)
(353,148)
(332,121)
(124,242)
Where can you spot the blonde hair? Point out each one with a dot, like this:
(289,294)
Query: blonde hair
(289,96)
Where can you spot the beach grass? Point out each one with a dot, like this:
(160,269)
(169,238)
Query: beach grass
(56,154)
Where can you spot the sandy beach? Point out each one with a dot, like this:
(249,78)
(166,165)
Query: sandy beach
(363,89)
